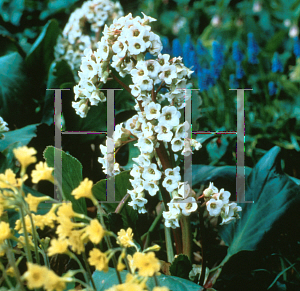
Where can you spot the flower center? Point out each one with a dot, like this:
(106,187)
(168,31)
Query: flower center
(189,205)
(152,111)
(213,205)
(137,46)
(168,116)
(136,32)
(150,67)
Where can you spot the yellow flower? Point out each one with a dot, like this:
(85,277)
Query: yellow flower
(76,242)
(58,246)
(66,210)
(54,282)
(5,232)
(84,190)
(147,264)
(19,226)
(25,156)
(10,272)
(94,231)
(126,286)
(125,238)
(21,242)
(161,289)
(121,266)
(65,228)
(34,201)
(42,172)
(8,179)
(98,259)
(35,275)
(46,220)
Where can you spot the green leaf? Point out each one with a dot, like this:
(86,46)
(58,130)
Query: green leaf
(16,108)
(222,177)
(122,184)
(7,158)
(41,53)
(23,136)
(181,267)
(71,173)
(55,6)
(106,280)
(134,152)
(59,73)
(274,194)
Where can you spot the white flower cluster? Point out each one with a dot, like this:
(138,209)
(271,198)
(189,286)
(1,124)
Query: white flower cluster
(3,127)
(217,203)
(92,15)
(123,46)
(109,168)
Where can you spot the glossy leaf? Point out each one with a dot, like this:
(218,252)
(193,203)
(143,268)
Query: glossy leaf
(181,267)
(23,136)
(71,173)
(122,184)
(104,281)
(41,54)
(274,195)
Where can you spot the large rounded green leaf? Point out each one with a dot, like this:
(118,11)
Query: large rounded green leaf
(122,184)
(71,173)
(274,194)
(104,281)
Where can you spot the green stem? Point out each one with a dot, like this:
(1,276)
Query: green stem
(11,287)
(88,270)
(203,244)
(154,223)
(186,236)
(171,155)
(74,257)
(155,280)
(12,262)
(122,203)
(107,239)
(169,245)
(35,241)
(27,250)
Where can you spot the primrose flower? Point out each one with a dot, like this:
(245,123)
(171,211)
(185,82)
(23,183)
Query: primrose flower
(42,172)
(35,275)
(99,260)
(125,238)
(84,190)
(147,264)
(5,232)
(94,231)
(25,156)
(58,246)
(34,202)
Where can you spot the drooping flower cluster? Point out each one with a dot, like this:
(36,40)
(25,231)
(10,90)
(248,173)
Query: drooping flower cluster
(74,40)
(217,203)
(3,127)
